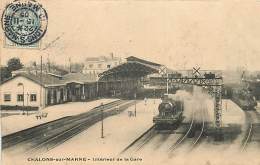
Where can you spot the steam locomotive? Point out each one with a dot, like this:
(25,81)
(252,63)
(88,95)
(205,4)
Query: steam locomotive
(170,114)
(242,96)
(244,99)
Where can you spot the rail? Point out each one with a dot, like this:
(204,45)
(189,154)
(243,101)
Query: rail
(181,139)
(148,131)
(249,131)
(249,135)
(201,131)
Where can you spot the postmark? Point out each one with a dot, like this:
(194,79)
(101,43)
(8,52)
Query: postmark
(24,22)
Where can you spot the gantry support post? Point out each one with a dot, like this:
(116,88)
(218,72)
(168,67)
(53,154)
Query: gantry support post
(218,106)
(218,113)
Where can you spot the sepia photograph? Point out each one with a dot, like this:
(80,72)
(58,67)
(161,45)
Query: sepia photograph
(138,82)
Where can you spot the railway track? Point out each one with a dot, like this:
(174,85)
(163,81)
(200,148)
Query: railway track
(248,133)
(139,142)
(151,133)
(196,130)
(202,129)
(253,120)
(49,135)
(182,138)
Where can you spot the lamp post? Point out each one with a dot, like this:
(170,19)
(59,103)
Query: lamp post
(97,88)
(102,120)
(27,102)
(153,96)
(135,103)
(226,105)
(21,84)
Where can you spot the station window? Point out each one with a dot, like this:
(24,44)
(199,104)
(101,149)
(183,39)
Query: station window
(20,97)
(7,97)
(33,97)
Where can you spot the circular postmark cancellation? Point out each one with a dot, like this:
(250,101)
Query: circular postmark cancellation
(24,22)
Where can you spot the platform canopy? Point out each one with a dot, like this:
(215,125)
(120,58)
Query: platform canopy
(133,68)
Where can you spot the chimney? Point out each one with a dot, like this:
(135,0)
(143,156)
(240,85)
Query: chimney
(34,66)
(112,55)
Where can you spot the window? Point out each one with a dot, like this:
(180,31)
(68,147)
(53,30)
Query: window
(20,97)
(7,97)
(99,65)
(108,66)
(33,97)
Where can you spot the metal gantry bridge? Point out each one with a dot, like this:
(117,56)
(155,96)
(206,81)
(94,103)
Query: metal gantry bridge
(209,80)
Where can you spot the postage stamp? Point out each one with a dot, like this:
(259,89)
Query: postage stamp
(24,23)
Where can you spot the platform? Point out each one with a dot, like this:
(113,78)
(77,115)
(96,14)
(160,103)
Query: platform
(54,112)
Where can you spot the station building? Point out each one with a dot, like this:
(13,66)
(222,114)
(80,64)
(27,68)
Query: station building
(26,89)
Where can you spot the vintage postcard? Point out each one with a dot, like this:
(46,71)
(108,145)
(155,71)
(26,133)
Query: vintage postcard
(138,82)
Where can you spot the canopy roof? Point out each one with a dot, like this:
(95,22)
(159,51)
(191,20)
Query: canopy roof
(135,59)
(131,69)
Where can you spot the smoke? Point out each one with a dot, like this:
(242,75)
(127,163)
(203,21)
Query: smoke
(198,105)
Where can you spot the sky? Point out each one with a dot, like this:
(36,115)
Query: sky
(212,34)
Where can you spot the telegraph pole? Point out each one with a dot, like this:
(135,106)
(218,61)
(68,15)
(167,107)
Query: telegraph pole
(70,64)
(41,86)
(102,121)
(167,83)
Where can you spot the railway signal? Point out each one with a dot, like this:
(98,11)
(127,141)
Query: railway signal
(196,71)
(162,70)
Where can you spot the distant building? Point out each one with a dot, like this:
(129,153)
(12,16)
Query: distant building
(46,69)
(97,65)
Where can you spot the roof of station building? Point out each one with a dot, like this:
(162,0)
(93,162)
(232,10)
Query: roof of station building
(79,77)
(50,80)
(142,61)
(43,80)
(134,67)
